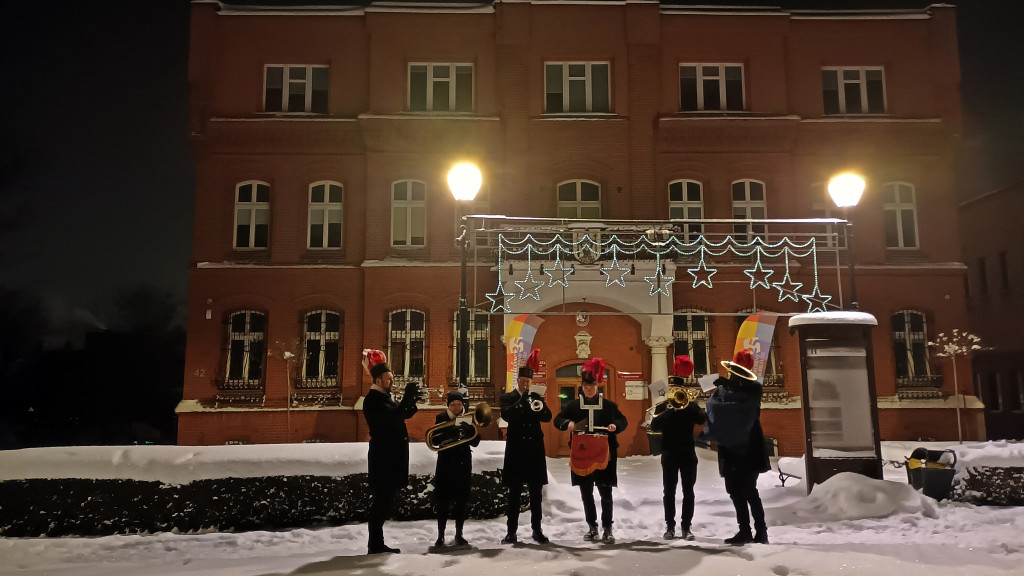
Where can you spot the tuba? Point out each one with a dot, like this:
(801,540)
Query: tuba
(449,434)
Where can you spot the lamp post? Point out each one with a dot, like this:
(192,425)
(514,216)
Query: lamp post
(846,190)
(464,180)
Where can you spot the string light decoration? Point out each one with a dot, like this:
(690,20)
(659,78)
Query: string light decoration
(614,247)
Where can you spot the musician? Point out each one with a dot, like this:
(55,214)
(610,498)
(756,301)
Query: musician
(678,457)
(453,472)
(592,412)
(524,450)
(734,422)
(388,457)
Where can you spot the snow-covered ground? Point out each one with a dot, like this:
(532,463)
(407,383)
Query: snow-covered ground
(848,525)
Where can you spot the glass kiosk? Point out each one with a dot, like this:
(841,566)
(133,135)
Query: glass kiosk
(839,398)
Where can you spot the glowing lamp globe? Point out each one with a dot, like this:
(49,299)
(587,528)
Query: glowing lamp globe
(464,180)
(846,189)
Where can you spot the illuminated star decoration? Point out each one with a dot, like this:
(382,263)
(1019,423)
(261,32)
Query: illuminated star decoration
(816,300)
(528,286)
(558,274)
(498,301)
(758,275)
(614,274)
(702,274)
(787,288)
(659,282)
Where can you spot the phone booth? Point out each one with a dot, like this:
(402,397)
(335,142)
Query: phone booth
(839,399)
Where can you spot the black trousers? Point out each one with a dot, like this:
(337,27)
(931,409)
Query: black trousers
(673,469)
(514,502)
(381,505)
(742,488)
(590,509)
(453,501)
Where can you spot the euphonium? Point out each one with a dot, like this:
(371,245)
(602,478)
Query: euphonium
(449,434)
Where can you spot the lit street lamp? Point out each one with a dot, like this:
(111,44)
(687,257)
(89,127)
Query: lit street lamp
(846,190)
(464,180)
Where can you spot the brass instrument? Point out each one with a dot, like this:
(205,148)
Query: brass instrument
(679,397)
(537,404)
(449,434)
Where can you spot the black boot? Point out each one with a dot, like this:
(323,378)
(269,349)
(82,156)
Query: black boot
(591,534)
(607,538)
(382,549)
(761,536)
(685,534)
(670,532)
(460,541)
(439,543)
(510,538)
(742,537)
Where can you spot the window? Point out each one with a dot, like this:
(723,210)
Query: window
(295,89)
(323,335)
(252,215)
(853,90)
(407,335)
(325,215)
(1004,272)
(710,87)
(991,393)
(576,87)
(1015,394)
(686,202)
(748,203)
(690,337)
(900,215)
(479,336)
(579,199)
(440,87)
(408,213)
(246,350)
(982,277)
(910,341)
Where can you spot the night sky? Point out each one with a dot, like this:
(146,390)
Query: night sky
(97,177)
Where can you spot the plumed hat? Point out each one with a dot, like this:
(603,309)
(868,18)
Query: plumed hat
(375,363)
(744,358)
(682,368)
(453,396)
(532,365)
(593,371)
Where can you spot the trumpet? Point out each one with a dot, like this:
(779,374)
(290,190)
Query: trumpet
(536,395)
(450,434)
(536,404)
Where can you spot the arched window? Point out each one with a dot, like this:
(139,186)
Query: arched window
(408,213)
(686,202)
(322,348)
(899,203)
(479,336)
(407,338)
(246,348)
(690,336)
(749,203)
(252,215)
(910,344)
(325,215)
(579,199)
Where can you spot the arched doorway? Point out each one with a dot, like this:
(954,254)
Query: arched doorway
(567,382)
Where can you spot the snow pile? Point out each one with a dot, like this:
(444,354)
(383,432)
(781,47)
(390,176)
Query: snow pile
(849,496)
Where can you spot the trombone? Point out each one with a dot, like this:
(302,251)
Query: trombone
(449,434)
(678,397)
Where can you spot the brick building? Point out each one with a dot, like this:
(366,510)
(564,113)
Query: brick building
(323,224)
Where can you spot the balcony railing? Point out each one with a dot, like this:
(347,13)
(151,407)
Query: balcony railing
(925,387)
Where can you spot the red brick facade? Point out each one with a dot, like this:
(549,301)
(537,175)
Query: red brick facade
(369,139)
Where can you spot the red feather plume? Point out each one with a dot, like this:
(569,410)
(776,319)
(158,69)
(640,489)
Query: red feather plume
(744,358)
(371,358)
(595,366)
(683,366)
(533,362)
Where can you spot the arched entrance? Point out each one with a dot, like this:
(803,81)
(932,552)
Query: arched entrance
(567,382)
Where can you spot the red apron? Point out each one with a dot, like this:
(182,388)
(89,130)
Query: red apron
(588,452)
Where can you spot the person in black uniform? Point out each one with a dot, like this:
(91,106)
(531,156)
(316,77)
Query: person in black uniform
(388,457)
(734,422)
(593,410)
(678,457)
(524,450)
(454,472)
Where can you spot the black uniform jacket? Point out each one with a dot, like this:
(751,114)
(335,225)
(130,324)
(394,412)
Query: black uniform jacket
(608,414)
(676,428)
(388,458)
(524,443)
(751,457)
(454,465)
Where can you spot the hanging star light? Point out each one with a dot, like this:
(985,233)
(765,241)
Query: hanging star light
(759,275)
(787,288)
(558,274)
(816,301)
(659,282)
(528,286)
(614,274)
(702,274)
(498,300)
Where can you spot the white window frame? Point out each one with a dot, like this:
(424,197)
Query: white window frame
(286,82)
(690,336)
(411,208)
(400,366)
(723,103)
(325,210)
(323,337)
(748,206)
(248,336)
(899,207)
(909,338)
(474,336)
(587,78)
(687,208)
(578,205)
(861,81)
(432,78)
(255,209)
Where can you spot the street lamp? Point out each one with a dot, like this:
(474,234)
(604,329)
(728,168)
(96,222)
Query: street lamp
(464,180)
(846,190)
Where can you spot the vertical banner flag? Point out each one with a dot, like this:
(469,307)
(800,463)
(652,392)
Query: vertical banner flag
(756,335)
(519,333)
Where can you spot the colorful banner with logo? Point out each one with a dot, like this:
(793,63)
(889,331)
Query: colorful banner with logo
(756,335)
(519,333)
